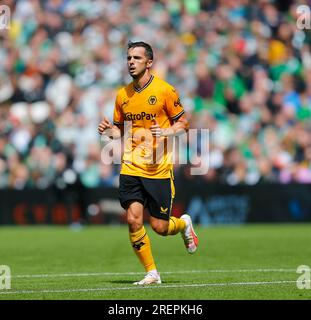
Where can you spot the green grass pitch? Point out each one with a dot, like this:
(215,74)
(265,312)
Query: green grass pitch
(97,262)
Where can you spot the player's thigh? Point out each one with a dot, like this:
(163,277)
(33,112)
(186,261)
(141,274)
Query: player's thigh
(131,196)
(135,213)
(159,194)
(130,190)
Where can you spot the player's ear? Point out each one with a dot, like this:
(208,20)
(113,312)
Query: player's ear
(149,63)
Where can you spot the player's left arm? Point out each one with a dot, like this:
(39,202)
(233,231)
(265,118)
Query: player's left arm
(181,125)
(175,112)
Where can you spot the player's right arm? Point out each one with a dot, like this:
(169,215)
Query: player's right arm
(110,130)
(115,130)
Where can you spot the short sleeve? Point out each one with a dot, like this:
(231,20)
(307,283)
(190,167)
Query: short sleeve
(174,107)
(118,118)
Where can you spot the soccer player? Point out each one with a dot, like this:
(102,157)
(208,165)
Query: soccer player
(153,109)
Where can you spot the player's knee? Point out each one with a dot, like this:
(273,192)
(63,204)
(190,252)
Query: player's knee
(133,223)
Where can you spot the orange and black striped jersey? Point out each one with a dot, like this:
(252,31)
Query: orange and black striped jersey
(136,109)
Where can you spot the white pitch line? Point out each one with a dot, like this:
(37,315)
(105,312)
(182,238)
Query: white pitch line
(226,284)
(84,274)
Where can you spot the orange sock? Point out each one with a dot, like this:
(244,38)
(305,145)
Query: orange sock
(175,226)
(142,247)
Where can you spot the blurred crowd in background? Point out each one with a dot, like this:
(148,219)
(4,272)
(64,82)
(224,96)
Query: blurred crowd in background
(242,68)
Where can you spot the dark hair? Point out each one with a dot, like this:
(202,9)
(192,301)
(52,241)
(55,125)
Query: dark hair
(149,51)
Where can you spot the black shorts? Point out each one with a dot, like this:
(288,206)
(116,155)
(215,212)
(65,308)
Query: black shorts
(155,194)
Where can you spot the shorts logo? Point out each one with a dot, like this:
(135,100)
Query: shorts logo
(163,210)
(152,100)
(137,246)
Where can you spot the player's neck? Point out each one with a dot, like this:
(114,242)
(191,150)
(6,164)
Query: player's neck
(140,81)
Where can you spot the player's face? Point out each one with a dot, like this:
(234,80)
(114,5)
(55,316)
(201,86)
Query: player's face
(137,61)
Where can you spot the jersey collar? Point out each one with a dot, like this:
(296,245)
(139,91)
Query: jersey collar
(145,86)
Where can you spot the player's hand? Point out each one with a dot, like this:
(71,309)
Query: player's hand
(155,129)
(104,125)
